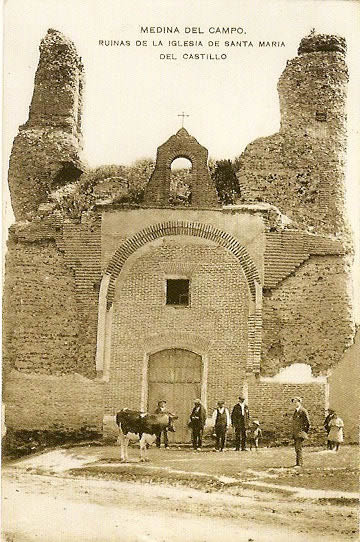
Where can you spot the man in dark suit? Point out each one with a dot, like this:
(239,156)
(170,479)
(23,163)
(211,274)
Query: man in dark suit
(197,423)
(240,421)
(161,408)
(221,421)
(300,428)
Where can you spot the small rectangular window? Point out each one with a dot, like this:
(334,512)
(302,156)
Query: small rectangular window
(177,292)
(320,116)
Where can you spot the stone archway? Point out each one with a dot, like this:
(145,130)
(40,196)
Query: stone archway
(173,227)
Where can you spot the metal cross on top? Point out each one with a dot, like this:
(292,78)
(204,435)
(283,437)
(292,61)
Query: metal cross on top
(183,117)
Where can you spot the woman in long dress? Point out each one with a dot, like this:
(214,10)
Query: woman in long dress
(336,434)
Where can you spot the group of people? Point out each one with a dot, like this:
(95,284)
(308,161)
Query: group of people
(240,420)
(244,430)
(222,420)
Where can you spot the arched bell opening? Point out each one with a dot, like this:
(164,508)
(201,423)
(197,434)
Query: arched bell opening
(181,170)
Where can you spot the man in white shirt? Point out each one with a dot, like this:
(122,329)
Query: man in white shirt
(222,421)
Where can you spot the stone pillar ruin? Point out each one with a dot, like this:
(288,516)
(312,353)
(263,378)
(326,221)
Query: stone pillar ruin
(301,168)
(46,151)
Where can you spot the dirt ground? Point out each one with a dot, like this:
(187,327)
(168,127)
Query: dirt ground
(85,493)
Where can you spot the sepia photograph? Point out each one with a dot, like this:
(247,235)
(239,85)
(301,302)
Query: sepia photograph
(181,271)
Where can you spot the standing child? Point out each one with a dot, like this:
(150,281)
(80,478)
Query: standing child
(327,426)
(336,434)
(256,435)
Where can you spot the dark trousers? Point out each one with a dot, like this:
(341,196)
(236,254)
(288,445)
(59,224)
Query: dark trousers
(197,433)
(220,432)
(158,438)
(240,437)
(298,450)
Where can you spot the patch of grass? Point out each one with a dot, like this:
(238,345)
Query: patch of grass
(143,475)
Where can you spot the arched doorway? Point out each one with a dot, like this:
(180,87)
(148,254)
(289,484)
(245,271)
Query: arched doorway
(175,375)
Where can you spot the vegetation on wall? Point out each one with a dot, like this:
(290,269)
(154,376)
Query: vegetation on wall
(116,184)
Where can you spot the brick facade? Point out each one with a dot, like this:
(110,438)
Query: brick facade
(86,298)
(270,402)
(217,315)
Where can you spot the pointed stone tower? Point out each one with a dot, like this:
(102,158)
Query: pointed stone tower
(46,152)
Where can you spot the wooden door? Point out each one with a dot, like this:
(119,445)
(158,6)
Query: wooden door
(175,376)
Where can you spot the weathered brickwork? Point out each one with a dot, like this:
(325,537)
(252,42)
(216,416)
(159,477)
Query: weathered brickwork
(270,403)
(41,310)
(52,298)
(81,244)
(308,318)
(53,403)
(301,168)
(287,250)
(217,314)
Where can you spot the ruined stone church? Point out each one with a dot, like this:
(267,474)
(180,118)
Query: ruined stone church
(127,304)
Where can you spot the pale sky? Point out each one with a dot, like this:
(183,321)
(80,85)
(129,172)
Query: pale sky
(132,97)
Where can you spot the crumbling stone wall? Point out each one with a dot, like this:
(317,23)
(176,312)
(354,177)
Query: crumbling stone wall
(301,168)
(41,309)
(47,151)
(52,278)
(308,317)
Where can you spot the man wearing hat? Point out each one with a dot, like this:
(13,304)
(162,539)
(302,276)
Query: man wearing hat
(300,428)
(240,420)
(161,408)
(197,423)
(222,421)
